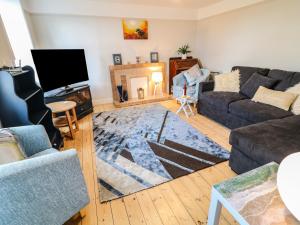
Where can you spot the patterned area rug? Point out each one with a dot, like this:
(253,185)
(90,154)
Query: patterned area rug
(141,147)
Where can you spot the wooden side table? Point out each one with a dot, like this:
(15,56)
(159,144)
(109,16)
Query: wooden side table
(70,118)
(252,198)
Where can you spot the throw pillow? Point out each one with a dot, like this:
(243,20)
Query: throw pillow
(228,82)
(10,150)
(296,105)
(279,99)
(193,75)
(254,82)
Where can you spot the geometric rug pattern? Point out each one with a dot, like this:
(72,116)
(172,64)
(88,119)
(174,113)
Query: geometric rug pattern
(141,147)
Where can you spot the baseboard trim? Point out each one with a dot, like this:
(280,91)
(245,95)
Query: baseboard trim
(102,101)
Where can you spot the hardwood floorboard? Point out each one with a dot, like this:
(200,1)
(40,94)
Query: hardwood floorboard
(182,215)
(149,211)
(182,201)
(134,212)
(165,212)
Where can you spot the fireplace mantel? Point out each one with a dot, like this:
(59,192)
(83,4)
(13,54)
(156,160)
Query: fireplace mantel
(122,75)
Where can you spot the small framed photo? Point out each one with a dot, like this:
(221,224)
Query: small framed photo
(117,59)
(154,57)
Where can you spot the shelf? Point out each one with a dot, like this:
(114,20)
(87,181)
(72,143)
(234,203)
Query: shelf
(37,117)
(28,94)
(16,72)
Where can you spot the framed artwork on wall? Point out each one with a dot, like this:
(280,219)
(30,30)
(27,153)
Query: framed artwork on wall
(117,58)
(154,57)
(135,29)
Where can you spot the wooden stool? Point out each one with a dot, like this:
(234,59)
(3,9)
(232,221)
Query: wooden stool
(68,119)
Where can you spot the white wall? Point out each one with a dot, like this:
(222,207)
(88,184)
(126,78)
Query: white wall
(17,31)
(266,35)
(102,36)
(6,54)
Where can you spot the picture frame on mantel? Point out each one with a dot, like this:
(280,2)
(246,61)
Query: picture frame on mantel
(154,57)
(117,58)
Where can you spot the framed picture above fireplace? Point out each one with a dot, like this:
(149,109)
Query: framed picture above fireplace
(135,29)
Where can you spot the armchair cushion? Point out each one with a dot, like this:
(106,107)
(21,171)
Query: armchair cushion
(33,139)
(10,150)
(196,75)
(192,74)
(45,152)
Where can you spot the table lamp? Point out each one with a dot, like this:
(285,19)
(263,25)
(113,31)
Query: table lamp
(157,78)
(288,183)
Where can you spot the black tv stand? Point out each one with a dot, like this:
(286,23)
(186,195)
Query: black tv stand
(65,90)
(79,94)
(68,88)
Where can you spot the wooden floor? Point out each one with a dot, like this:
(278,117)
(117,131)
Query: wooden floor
(182,201)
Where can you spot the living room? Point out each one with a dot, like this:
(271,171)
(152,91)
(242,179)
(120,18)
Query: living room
(149,112)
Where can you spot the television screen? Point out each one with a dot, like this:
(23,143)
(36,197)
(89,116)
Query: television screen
(59,67)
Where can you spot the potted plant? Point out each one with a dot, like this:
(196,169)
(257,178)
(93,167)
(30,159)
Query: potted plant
(183,51)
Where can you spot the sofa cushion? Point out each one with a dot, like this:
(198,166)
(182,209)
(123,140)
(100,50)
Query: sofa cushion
(10,149)
(220,100)
(228,82)
(279,99)
(254,82)
(287,79)
(256,112)
(269,141)
(246,72)
(296,105)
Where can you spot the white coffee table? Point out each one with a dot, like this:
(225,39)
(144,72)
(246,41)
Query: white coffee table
(185,105)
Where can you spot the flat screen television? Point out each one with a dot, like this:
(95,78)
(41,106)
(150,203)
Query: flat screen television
(58,68)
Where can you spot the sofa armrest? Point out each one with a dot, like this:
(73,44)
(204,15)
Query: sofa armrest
(46,190)
(206,86)
(33,138)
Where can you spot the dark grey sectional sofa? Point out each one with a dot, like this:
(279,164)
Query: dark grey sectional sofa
(260,133)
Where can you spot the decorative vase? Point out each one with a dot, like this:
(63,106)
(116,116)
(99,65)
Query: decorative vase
(120,92)
(183,56)
(141,93)
(125,95)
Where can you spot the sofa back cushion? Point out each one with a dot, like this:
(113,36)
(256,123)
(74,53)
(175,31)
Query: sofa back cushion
(10,150)
(246,72)
(287,79)
(254,82)
(279,99)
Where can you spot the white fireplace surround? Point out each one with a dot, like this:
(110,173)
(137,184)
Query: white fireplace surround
(134,76)
(138,82)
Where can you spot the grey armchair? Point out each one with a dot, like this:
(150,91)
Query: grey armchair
(47,188)
(179,82)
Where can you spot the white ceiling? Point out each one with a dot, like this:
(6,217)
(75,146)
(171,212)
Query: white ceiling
(192,4)
(148,9)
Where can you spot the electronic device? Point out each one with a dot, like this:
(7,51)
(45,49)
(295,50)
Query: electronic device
(58,68)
